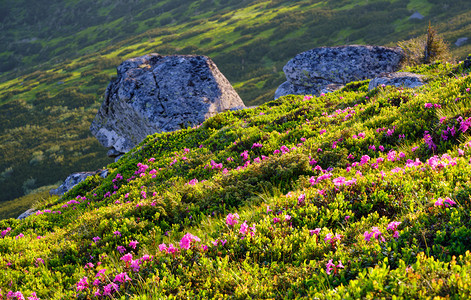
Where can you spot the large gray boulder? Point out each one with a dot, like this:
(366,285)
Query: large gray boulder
(399,79)
(312,71)
(155,93)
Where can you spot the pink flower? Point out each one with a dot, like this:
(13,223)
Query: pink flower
(339,181)
(393,225)
(256,145)
(185,242)
(314,231)
(287,217)
(122,278)
(301,199)
(100,272)
(445,202)
(465,124)
(428,105)
(163,248)
(127,257)
(268,209)
(245,155)
(322,131)
(276,220)
(232,219)
(243,228)
(117,233)
(171,249)
(329,267)
(133,244)
(121,249)
(82,284)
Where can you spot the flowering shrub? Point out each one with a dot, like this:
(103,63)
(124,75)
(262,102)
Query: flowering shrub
(348,194)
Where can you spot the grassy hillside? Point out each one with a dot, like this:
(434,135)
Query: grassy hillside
(354,194)
(58,61)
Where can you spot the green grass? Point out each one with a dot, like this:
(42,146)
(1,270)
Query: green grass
(393,239)
(250,44)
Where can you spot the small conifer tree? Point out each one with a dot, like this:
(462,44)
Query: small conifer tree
(425,49)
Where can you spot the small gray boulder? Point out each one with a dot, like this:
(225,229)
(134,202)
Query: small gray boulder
(399,79)
(74,179)
(155,93)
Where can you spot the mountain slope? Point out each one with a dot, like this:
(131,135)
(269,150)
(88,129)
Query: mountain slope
(353,194)
(60,77)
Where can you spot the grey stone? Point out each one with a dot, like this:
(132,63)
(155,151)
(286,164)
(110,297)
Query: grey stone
(323,87)
(155,93)
(399,79)
(26,214)
(74,179)
(461,41)
(326,69)
(416,16)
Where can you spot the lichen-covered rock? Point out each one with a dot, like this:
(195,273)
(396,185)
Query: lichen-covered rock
(312,71)
(155,93)
(26,214)
(399,79)
(74,179)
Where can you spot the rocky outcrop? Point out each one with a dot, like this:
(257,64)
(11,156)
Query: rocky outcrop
(461,41)
(399,79)
(416,16)
(74,179)
(313,71)
(155,93)
(26,214)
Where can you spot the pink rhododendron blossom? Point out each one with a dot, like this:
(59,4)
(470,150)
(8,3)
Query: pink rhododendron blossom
(110,288)
(301,199)
(133,244)
(244,228)
(339,181)
(187,239)
(374,233)
(82,284)
(393,225)
(364,159)
(447,202)
(232,219)
(121,249)
(127,257)
(245,155)
(163,248)
(100,273)
(122,278)
(276,220)
(171,249)
(314,231)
